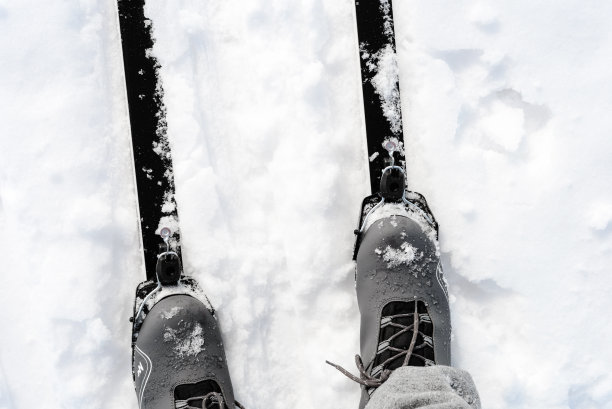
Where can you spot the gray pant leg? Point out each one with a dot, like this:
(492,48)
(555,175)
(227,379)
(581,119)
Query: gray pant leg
(433,387)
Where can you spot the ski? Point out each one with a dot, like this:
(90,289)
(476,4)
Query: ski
(380,85)
(152,157)
(178,358)
(383,117)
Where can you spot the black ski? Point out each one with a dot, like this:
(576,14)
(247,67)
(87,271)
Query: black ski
(152,159)
(383,116)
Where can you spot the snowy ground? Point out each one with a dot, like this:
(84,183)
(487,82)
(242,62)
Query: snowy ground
(507,119)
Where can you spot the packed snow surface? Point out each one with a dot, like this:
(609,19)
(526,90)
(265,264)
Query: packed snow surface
(507,127)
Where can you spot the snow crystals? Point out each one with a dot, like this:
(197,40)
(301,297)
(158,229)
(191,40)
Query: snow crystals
(169,314)
(395,257)
(188,339)
(386,83)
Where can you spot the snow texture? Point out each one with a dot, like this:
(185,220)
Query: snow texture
(395,257)
(188,340)
(170,313)
(386,85)
(507,119)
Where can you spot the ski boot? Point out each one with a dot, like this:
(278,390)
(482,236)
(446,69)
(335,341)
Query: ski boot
(401,291)
(178,360)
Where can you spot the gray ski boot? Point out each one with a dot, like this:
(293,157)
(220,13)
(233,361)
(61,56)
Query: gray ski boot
(178,359)
(401,290)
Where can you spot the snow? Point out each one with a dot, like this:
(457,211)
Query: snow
(385,82)
(507,128)
(171,313)
(395,257)
(188,340)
